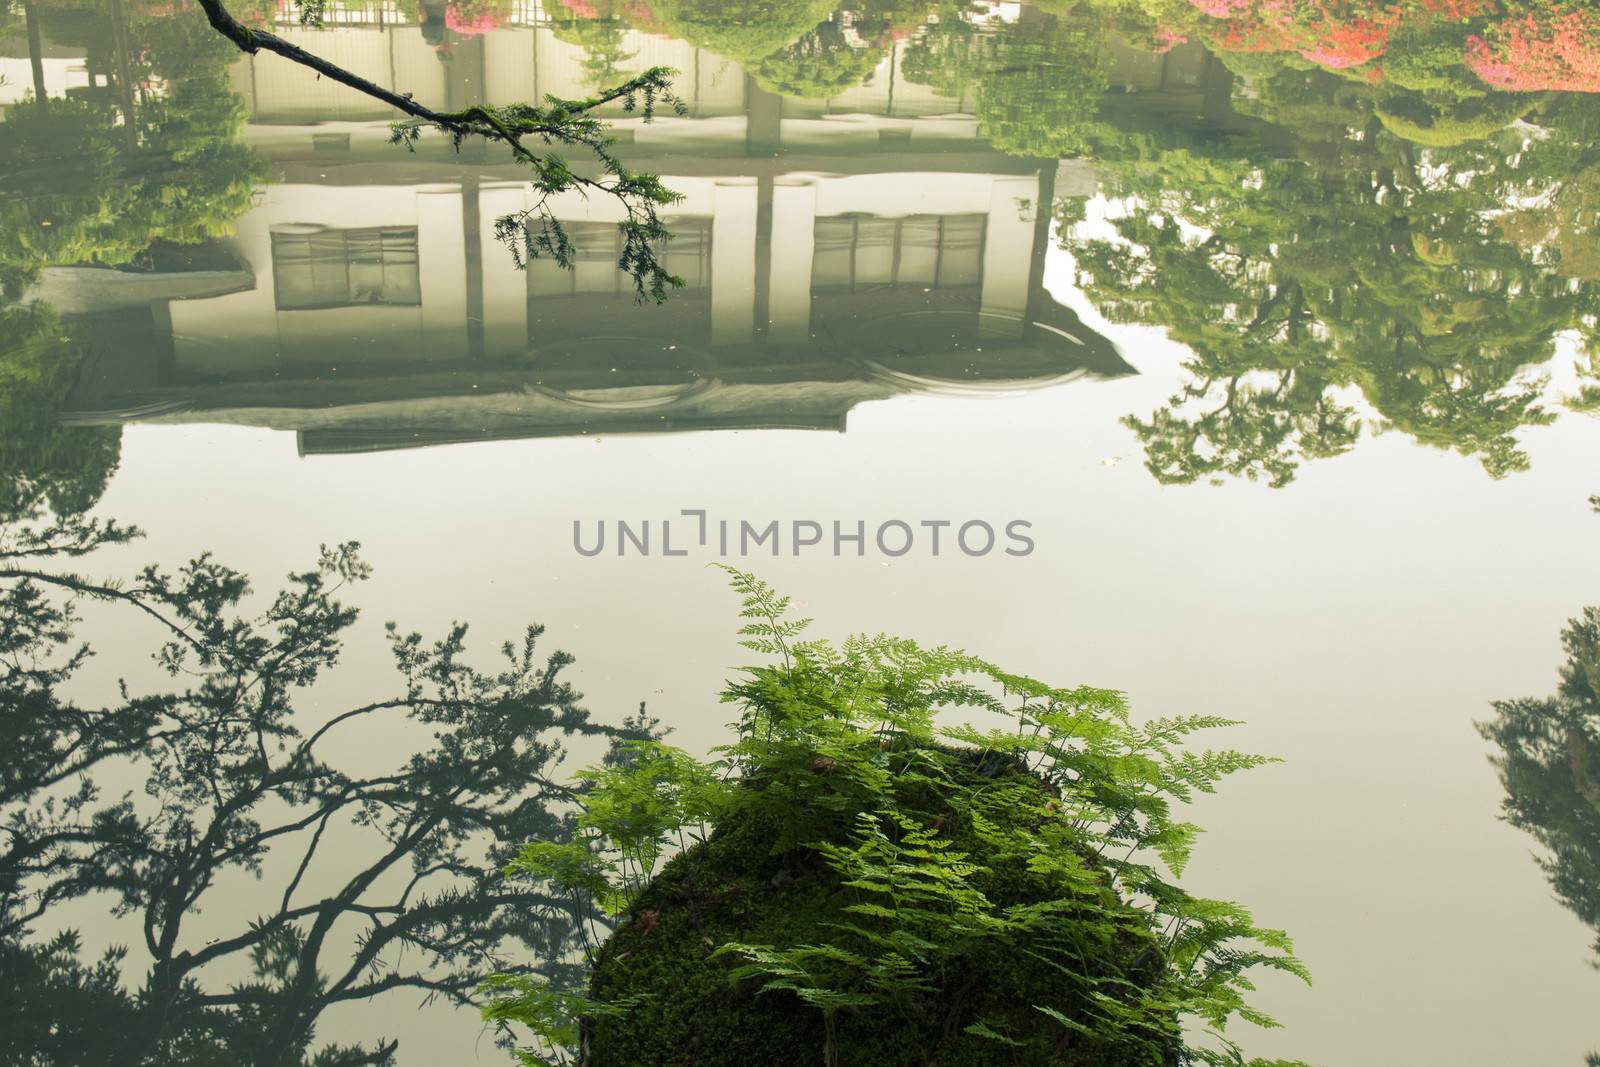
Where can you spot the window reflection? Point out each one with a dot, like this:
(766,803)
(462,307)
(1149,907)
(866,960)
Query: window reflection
(324,268)
(596,247)
(923,250)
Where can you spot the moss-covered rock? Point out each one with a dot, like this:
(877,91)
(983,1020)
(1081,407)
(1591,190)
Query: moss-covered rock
(870,886)
(737,888)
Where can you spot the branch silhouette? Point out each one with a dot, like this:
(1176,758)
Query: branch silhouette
(536,232)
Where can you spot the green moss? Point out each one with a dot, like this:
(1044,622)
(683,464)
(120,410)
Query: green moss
(735,887)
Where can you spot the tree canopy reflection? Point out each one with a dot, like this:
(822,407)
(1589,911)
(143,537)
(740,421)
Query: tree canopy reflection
(372,874)
(122,174)
(1549,764)
(1547,754)
(105,173)
(45,465)
(1359,264)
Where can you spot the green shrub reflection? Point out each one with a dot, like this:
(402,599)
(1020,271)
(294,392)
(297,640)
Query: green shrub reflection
(1354,268)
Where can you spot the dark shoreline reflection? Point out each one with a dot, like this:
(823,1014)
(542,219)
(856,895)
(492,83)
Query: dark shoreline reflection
(1548,759)
(323,880)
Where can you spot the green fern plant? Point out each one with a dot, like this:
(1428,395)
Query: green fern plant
(856,871)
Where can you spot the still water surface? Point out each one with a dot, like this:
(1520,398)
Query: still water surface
(1277,333)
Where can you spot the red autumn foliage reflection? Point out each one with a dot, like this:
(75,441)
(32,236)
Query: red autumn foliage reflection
(1559,53)
(1512,45)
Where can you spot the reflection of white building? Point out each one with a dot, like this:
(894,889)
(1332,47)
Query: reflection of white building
(413,271)
(372,315)
(60,74)
(525,61)
(59,70)
(833,252)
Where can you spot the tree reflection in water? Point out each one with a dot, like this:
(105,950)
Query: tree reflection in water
(1348,262)
(1549,763)
(1548,758)
(372,880)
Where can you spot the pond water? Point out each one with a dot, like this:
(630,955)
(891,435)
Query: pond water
(1240,354)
